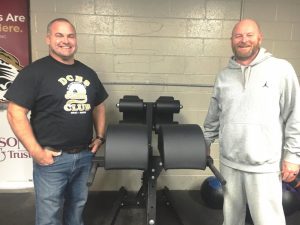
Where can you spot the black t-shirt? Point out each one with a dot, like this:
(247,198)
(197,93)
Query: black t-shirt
(61,99)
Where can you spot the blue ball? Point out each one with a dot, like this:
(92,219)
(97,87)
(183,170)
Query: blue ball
(212,193)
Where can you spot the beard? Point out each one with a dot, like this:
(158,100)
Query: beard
(245,55)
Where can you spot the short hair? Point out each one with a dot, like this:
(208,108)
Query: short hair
(58,20)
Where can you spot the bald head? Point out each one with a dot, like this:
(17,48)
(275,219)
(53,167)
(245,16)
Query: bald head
(247,23)
(246,40)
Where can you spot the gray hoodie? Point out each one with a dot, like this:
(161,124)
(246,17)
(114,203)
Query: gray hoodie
(255,113)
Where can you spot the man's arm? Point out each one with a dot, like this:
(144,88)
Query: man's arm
(290,112)
(211,124)
(20,125)
(99,124)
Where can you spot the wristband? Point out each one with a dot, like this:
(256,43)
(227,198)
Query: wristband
(102,139)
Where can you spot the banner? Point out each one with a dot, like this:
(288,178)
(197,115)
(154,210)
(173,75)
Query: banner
(15,162)
(14,40)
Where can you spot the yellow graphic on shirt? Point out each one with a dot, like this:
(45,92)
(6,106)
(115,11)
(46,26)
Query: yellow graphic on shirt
(76,95)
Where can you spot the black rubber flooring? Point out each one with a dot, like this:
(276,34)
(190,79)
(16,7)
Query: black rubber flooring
(177,208)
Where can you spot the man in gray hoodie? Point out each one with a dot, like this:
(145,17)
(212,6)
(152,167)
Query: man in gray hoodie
(255,114)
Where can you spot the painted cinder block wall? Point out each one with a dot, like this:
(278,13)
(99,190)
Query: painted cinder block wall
(164,42)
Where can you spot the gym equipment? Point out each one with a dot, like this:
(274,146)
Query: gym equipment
(129,146)
(212,193)
(296,183)
(132,156)
(179,146)
(290,199)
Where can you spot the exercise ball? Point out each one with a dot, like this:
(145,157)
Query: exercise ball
(212,193)
(296,183)
(290,199)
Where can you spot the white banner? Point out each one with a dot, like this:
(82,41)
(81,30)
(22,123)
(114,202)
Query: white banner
(15,161)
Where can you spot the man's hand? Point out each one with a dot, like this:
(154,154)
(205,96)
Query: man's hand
(45,156)
(95,145)
(289,171)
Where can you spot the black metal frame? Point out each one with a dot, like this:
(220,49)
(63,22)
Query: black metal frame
(146,196)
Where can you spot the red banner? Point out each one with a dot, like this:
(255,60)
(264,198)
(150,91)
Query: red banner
(14,40)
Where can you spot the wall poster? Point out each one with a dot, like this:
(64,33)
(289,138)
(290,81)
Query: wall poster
(15,53)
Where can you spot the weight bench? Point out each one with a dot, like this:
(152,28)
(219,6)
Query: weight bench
(129,146)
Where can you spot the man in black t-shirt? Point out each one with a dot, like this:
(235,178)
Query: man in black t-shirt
(66,101)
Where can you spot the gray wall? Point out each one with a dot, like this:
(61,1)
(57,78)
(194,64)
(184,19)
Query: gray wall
(165,42)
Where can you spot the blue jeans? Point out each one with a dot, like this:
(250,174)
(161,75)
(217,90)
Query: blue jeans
(61,189)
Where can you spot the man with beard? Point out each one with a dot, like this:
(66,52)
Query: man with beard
(255,113)
(66,100)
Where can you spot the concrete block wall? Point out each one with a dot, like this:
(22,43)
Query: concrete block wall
(165,42)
